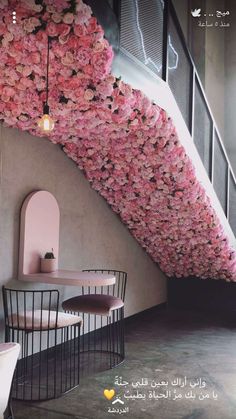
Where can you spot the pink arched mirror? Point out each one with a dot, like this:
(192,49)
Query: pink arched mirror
(39,230)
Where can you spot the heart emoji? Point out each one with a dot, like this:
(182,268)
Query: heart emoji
(109,394)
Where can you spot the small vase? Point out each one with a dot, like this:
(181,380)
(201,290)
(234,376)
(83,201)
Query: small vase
(48,265)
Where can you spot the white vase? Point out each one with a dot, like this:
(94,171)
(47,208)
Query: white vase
(48,265)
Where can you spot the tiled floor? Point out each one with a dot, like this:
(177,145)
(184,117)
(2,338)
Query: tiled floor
(193,354)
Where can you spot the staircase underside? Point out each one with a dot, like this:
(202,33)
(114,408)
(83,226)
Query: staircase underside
(127,146)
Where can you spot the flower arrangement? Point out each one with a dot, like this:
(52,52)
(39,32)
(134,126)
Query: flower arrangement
(127,146)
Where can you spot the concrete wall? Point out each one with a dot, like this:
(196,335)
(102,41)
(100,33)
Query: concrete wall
(91,234)
(181,8)
(197,38)
(215,66)
(213,52)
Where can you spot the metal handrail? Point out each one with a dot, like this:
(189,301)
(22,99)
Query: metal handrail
(169,12)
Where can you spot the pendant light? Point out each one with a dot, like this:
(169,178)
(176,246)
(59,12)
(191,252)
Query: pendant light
(46,123)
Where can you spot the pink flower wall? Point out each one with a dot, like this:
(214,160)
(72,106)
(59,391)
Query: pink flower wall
(127,146)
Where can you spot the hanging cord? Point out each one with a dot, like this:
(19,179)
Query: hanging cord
(47,70)
(46,107)
(1,155)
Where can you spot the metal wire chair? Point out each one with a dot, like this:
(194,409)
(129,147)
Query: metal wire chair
(102,310)
(48,365)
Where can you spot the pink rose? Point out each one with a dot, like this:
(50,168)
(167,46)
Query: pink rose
(83,56)
(3,4)
(63,29)
(8,92)
(105,89)
(63,39)
(35,57)
(88,94)
(68,59)
(30,24)
(52,29)
(73,42)
(86,41)
(83,13)
(26,71)
(79,30)
(92,25)
(98,47)
(56,17)
(88,70)
(68,18)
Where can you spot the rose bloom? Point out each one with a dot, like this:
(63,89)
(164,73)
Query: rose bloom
(86,42)
(8,36)
(24,83)
(83,13)
(92,25)
(26,71)
(30,24)
(51,9)
(105,89)
(110,79)
(35,57)
(52,29)
(63,29)
(3,3)
(68,58)
(79,30)
(36,7)
(88,69)
(83,56)
(68,18)
(73,42)
(63,39)
(98,47)
(88,94)
(8,91)
(57,17)
(41,37)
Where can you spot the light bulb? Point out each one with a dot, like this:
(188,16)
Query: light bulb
(46,123)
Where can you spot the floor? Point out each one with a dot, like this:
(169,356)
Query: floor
(179,364)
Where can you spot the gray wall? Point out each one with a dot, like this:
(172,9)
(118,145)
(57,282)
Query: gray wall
(181,8)
(215,66)
(230,84)
(213,50)
(91,234)
(207,46)
(207,49)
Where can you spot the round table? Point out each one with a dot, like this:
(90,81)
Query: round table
(73,278)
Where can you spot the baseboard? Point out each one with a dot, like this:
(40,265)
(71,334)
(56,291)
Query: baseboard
(148,312)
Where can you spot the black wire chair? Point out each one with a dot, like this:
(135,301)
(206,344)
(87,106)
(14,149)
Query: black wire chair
(48,365)
(102,311)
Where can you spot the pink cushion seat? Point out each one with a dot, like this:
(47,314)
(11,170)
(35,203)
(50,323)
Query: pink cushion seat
(101,304)
(37,321)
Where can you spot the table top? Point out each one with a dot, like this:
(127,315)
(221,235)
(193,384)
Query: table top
(73,278)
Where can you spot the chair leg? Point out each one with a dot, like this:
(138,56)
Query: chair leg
(122,335)
(109,339)
(7,334)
